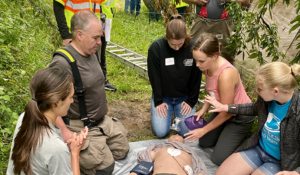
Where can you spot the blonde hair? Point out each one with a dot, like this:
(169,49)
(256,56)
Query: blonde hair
(278,74)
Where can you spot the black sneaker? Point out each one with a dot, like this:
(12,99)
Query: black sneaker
(109,87)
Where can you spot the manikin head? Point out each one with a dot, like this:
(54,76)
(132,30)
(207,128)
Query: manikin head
(176,138)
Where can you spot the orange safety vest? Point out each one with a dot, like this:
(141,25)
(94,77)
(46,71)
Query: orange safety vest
(74,6)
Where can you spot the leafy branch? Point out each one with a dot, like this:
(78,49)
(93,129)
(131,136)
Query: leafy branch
(253,35)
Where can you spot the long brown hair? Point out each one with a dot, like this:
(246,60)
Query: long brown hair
(176,29)
(209,44)
(47,87)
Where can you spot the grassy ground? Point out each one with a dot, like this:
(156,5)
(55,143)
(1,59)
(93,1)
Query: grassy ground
(27,44)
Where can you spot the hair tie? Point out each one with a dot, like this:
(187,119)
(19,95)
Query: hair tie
(34,99)
(292,72)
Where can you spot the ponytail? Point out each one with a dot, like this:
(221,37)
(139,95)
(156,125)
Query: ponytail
(30,132)
(48,86)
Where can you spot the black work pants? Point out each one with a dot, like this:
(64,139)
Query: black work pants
(227,137)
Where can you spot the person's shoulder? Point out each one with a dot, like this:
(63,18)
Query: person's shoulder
(59,61)
(158,43)
(53,144)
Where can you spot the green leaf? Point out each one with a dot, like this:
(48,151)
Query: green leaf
(294,27)
(254,55)
(261,3)
(5,97)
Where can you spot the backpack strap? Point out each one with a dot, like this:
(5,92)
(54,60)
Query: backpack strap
(78,85)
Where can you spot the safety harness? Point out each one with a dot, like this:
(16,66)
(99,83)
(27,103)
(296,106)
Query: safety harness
(78,86)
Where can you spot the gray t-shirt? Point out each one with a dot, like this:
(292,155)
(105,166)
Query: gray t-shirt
(93,82)
(51,157)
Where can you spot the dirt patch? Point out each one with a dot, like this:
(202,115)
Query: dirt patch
(135,115)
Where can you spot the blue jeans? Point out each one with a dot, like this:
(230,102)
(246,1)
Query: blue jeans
(135,5)
(258,158)
(127,4)
(161,126)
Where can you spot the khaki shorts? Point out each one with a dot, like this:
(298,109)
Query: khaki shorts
(220,28)
(102,149)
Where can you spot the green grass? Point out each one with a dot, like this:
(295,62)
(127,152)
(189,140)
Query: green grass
(135,34)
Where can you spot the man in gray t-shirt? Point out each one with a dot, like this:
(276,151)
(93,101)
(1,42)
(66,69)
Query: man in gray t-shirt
(98,154)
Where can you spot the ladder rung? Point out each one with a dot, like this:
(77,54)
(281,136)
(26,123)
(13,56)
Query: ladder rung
(120,50)
(111,46)
(125,54)
(141,64)
(139,58)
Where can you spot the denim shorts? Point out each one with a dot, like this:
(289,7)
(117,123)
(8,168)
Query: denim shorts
(258,158)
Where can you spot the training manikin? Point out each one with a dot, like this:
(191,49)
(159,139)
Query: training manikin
(173,157)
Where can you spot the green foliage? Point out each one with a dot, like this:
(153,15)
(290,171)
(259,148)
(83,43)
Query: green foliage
(26,45)
(251,28)
(296,22)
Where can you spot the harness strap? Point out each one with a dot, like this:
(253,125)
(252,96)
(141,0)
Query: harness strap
(78,85)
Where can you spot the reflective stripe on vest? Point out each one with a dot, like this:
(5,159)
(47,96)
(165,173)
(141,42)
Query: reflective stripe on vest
(74,6)
(181,4)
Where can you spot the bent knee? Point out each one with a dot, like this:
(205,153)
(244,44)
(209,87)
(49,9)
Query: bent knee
(205,143)
(160,134)
(218,160)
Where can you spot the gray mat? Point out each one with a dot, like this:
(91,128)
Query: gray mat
(122,167)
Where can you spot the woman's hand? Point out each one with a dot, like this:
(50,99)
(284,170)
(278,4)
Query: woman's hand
(219,107)
(186,109)
(77,142)
(160,109)
(195,134)
(201,114)
(287,173)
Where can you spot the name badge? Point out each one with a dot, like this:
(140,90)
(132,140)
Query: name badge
(188,62)
(169,61)
(219,36)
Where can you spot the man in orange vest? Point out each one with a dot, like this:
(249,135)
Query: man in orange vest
(64,10)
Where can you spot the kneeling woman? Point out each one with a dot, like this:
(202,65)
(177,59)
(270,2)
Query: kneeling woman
(224,131)
(38,146)
(274,147)
(174,78)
